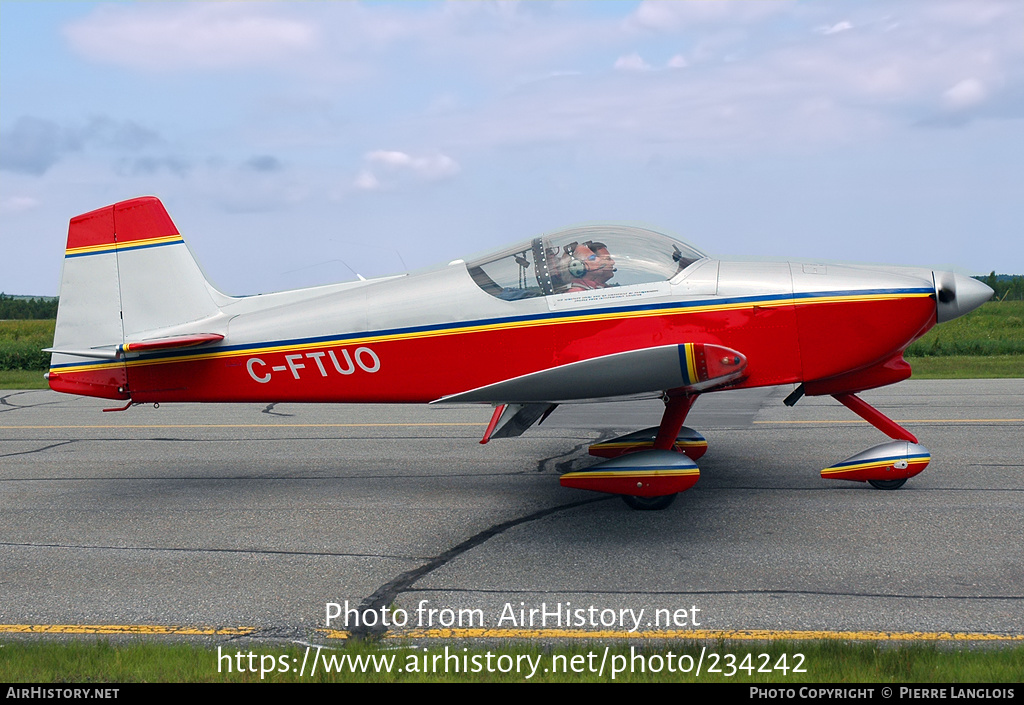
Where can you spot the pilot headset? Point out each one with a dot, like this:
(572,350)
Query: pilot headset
(577,267)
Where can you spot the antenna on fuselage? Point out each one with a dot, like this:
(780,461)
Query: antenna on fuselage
(336,259)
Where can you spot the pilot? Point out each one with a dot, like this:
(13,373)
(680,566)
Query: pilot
(591,266)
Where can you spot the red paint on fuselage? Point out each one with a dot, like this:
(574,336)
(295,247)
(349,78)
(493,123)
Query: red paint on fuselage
(428,367)
(843,337)
(105,383)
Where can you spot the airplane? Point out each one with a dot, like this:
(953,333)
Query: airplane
(589,313)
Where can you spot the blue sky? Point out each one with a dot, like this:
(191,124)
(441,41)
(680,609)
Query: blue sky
(296,143)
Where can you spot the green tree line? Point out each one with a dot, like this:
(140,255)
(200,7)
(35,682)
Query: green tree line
(1007,287)
(26,309)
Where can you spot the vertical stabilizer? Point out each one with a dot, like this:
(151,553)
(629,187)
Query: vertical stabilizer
(127,271)
(161,284)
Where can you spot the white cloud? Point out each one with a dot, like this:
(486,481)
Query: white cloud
(390,168)
(433,167)
(472,75)
(390,158)
(632,62)
(783,90)
(366,181)
(835,28)
(670,16)
(172,36)
(965,94)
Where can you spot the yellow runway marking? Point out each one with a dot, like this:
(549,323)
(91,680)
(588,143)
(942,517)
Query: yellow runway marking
(133,629)
(857,421)
(694,634)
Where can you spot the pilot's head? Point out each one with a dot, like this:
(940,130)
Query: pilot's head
(600,265)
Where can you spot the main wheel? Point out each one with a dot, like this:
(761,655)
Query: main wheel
(648,503)
(887,484)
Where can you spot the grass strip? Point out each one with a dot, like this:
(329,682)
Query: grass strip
(996,328)
(22,379)
(968,367)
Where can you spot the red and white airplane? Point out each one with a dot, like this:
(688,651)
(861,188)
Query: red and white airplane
(589,313)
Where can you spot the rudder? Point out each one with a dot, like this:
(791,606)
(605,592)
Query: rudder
(127,273)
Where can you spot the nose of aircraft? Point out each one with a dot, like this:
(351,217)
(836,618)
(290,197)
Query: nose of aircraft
(956,295)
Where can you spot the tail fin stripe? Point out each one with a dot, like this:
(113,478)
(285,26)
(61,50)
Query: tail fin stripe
(121,247)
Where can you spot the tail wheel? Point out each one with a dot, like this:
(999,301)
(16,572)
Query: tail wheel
(653,504)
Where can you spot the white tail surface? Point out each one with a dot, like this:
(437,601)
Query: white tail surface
(127,276)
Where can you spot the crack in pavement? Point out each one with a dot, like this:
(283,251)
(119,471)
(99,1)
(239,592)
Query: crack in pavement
(37,450)
(386,594)
(4,402)
(564,463)
(14,407)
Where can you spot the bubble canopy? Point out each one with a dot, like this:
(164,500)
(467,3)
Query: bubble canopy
(579,259)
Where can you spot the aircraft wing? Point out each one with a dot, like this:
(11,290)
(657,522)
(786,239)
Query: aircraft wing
(692,367)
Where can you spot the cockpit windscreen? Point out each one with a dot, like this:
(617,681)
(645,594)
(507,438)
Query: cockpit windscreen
(580,259)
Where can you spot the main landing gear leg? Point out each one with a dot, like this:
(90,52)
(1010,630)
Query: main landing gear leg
(676,409)
(875,417)
(885,467)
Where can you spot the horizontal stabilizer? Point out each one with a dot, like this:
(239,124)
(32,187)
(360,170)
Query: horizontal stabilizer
(178,341)
(150,345)
(687,367)
(109,353)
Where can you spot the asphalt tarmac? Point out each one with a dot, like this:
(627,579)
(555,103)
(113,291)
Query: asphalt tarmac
(259,518)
